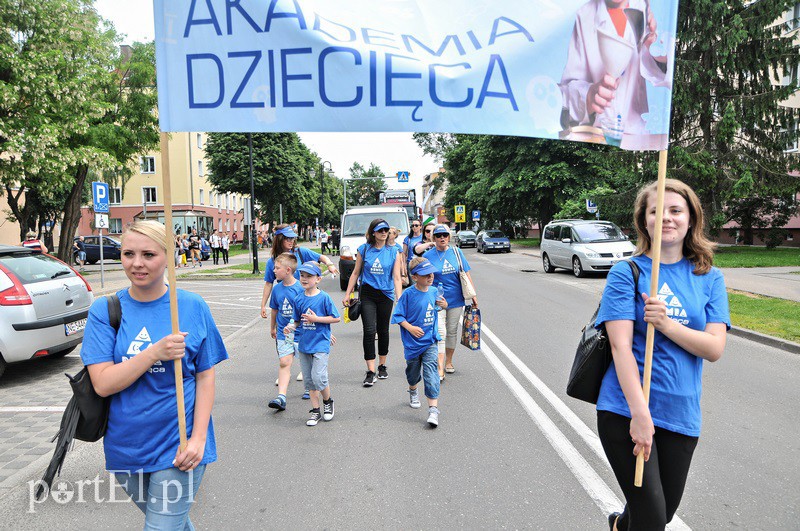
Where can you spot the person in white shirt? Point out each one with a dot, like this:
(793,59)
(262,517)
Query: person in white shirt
(215,242)
(224,245)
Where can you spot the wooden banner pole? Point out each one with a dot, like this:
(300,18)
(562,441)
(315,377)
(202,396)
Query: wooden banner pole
(651,331)
(172,280)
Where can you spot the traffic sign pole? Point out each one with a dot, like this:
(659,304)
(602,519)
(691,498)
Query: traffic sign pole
(100,205)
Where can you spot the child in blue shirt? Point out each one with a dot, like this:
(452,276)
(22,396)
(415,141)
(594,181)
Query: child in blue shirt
(315,311)
(282,304)
(417,314)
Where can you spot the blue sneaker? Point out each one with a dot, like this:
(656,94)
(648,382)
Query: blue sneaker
(278,403)
(306,396)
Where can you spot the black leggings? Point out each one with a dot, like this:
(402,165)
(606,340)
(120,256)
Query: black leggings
(652,505)
(376,311)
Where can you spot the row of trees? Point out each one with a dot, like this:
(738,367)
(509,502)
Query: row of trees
(282,178)
(71,105)
(729,136)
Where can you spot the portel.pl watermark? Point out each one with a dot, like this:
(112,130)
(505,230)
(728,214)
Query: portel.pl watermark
(101,490)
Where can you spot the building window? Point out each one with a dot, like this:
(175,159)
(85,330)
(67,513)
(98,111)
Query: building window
(149,194)
(115,225)
(228,225)
(147,164)
(115,196)
(200,168)
(199,141)
(202,197)
(227,202)
(794,23)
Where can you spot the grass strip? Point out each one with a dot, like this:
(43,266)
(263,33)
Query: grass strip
(746,256)
(768,315)
(526,242)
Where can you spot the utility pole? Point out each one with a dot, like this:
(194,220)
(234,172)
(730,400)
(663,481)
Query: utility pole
(253,238)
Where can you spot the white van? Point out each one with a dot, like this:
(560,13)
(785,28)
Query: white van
(355,222)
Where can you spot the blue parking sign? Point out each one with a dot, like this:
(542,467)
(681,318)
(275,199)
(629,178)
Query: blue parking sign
(100,197)
(476,215)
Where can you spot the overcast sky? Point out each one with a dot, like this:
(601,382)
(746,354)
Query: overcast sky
(393,152)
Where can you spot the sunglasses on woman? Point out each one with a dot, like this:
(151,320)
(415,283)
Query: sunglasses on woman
(441,235)
(428,231)
(382,230)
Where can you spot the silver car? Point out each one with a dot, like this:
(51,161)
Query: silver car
(43,306)
(583,246)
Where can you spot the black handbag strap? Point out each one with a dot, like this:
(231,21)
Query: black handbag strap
(114,311)
(635,271)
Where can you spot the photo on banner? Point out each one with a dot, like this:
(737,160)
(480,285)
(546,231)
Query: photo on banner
(593,71)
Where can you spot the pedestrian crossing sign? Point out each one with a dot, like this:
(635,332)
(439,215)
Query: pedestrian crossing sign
(402,176)
(461,213)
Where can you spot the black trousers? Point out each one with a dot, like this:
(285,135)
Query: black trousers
(376,311)
(224,256)
(651,506)
(215,254)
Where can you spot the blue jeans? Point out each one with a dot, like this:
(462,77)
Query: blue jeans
(315,370)
(164,496)
(425,367)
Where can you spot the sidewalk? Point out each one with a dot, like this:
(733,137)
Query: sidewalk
(778,282)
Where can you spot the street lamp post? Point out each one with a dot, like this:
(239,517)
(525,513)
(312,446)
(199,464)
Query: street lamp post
(253,239)
(312,173)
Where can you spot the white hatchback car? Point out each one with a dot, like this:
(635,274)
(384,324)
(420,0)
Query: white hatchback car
(583,246)
(43,306)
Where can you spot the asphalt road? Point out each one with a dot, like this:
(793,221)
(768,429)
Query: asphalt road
(512,451)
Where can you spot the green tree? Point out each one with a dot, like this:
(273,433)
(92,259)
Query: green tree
(281,166)
(729,130)
(365,189)
(69,101)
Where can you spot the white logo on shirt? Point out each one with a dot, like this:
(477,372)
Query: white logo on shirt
(447,268)
(429,313)
(377,268)
(675,310)
(286,308)
(140,343)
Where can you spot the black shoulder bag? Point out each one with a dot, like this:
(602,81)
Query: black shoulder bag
(594,355)
(86,415)
(354,309)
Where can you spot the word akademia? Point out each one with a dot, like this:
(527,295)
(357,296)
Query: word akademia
(376,57)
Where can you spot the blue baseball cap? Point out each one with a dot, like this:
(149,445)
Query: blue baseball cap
(424,268)
(441,229)
(287,232)
(381,225)
(311,268)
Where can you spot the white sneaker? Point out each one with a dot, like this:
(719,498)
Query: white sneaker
(433,416)
(299,376)
(414,398)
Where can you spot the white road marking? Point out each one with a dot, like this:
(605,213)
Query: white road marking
(32,409)
(233,326)
(233,304)
(585,433)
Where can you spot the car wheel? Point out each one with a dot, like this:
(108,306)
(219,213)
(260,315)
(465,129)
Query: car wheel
(2,365)
(546,265)
(91,262)
(577,268)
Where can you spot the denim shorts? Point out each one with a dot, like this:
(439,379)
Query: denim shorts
(286,347)
(425,367)
(315,370)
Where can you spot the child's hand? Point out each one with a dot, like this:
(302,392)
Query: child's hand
(309,317)
(416,331)
(274,333)
(333,339)
(289,329)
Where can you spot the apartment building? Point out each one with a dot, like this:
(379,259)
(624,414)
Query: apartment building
(195,203)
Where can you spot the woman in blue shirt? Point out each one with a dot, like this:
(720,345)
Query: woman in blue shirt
(135,367)
(446,260)
(691,319)
(379,266)
(285,241)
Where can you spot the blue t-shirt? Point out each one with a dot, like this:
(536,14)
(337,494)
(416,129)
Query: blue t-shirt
(143,418)
(378,266)
(447,265)
(411,242)
(676,380)
(419,309)
(303,255)
(315,337)
(282,299)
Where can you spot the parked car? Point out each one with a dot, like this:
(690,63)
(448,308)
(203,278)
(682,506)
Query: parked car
(583,245)
(112,248)
(355,222)
(492,240)
(465,238)
(43,306)
(205,249)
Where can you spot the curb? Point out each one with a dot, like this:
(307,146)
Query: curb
(764,339)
